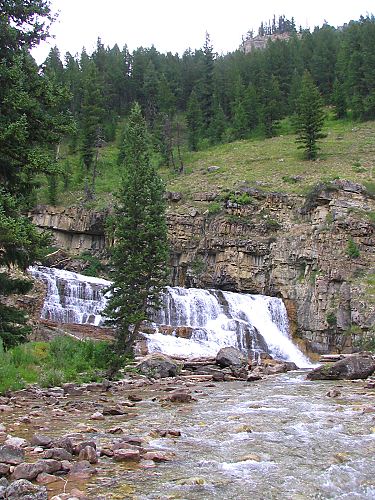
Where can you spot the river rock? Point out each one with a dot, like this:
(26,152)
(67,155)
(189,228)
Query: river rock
(180,396)
(125,455)
(24,490)
(41,440)
(45,478)
(88,453)
(58,454)
(229,357)
(97,416)
(27,471)
(11,455)
(81,470)
(50,465)
(16,441)
(357,366)
(158,456)
(158,365)
(64,442)
(82,445)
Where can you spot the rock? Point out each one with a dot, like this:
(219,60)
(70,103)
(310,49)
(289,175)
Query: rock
(27,471)
(24,490)
(41,440)
(180,396)
(50,465)
(16,441)
(66,465)
(173,196)
(213,168)
(58,454)
(158,365)
(72,389)
(252,456)
(78,494)
(45,478)
(83,444)
(124,455)
(333,393)
(88,453)
(230,356)
(244,428)
(158,456)
(97,416)
(11,455)
(253,377)
(134,398)
(2,428)
(357,366)
(81,470)
(64,442)
(4,469)
(114,410)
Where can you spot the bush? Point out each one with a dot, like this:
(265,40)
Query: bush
(352,249)
(214,208)
(331,319)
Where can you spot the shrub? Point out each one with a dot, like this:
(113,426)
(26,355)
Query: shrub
(214,208)
(352,249)
(331,319)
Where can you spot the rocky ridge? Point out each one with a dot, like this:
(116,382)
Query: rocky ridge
(316,253)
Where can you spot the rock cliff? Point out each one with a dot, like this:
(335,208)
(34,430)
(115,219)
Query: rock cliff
(315,252)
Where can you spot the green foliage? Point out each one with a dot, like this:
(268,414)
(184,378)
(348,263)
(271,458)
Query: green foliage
(140,252)
(370,188)
(352,249)
(214,208)
(309,118)
(239,198)
(331,319)
(94,265)
(64,359)
(198,265)
(272,224)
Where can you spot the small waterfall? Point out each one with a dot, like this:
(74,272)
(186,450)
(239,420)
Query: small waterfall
(216,319)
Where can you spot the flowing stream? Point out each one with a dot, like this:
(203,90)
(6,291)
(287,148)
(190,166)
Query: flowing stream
(215,319)
(278,438)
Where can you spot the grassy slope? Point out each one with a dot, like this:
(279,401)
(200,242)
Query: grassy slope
(348,152)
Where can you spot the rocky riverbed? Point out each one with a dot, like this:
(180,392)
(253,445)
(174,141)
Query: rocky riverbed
(192,438)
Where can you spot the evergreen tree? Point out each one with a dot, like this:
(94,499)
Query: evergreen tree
(194,121)
(30,127)
(271,112)
(218,122)
(140,252)
(309,118)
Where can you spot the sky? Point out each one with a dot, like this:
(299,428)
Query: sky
(176,25)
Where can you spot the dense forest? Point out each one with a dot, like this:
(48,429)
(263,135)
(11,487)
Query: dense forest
(222,97)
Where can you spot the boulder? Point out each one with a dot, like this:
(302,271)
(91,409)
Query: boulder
(4,469)
(231,357)
(41,440)
(64,442)
(24,490)
(58,454)
(158,365)
(180,396)
(88,453)
(27,471)
(81,470)
(125,455)
(357,366)
(11,455)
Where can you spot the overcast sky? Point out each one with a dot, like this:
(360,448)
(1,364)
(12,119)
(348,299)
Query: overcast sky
(173,25)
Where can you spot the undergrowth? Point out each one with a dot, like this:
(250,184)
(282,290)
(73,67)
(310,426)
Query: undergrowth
(48,364)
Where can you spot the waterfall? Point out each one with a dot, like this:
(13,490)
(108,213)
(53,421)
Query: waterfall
(214,318)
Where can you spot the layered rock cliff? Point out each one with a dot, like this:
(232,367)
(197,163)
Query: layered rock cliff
(316,253)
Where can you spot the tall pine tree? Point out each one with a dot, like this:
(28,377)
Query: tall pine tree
(309,118)
(140,252)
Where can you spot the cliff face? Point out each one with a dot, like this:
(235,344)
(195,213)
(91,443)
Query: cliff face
(317,254)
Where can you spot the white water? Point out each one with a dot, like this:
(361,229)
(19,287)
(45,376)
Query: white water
(252,323)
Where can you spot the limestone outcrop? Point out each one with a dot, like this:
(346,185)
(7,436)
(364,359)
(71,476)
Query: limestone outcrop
(315,252)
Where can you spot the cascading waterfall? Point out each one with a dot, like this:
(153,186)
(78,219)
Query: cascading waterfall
(216,319)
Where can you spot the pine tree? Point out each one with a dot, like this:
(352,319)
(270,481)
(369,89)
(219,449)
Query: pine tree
(309,118)
(140,252)
(195,122)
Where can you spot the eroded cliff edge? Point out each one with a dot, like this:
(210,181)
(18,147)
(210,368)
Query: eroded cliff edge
(315,252)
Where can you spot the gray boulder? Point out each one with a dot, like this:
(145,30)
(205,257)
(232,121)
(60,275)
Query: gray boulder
(24,490)
(231,357)
(357,366)
(27,471)
(158,365)
(11,455)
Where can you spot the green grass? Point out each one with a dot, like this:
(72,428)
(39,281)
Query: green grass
(49,364)
(273,164)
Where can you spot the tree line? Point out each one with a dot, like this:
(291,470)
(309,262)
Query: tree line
(210,98)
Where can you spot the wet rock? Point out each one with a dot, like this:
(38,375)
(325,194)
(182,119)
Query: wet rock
(333,393)
(253,377)
(158,365)
(4,469)
(50,465)
(27,471)
(158,456)
(218,376)
(114,410)
(134,398)
(165,433)
(11,455)
(191,481)
(88,453)
(125,455)
(41,440)
(58,454)
(229,357)
(2,428)
(147,464)
(24,490)
(115,430)
(81,470)
(357,366)
(133,440)
(180,396)
(78,447)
